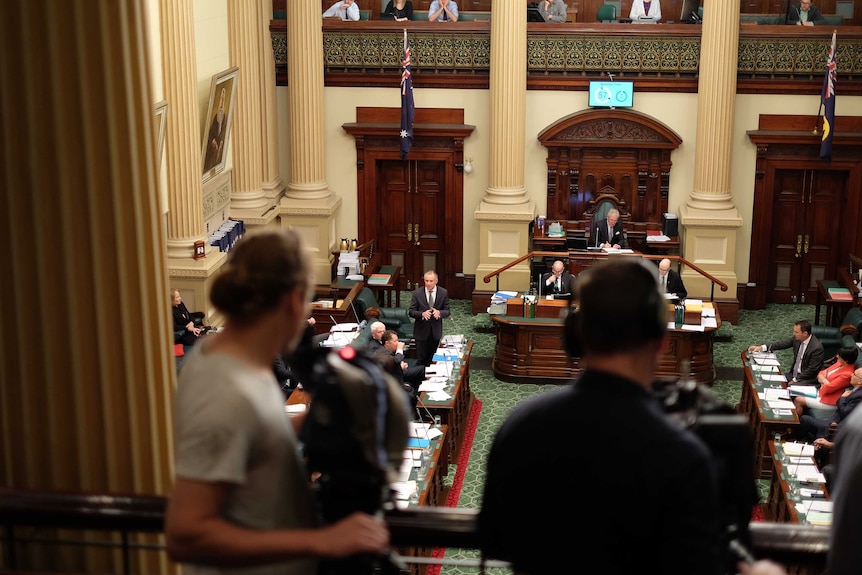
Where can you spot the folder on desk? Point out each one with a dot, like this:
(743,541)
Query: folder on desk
(418,443)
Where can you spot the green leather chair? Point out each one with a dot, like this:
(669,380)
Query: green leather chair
(394,318)
(847,334)
(606,13)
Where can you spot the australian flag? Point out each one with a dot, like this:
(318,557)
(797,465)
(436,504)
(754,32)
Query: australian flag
(408,109)
(827,99)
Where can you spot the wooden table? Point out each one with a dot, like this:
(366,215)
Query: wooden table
(532,350)
(835,308)
(765,423)
(342,285)
(345,313)
(779,507)
(455,412)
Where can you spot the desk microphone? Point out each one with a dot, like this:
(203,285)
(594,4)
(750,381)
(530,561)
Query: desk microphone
(597,235)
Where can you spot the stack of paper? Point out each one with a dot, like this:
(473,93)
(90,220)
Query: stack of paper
(840,293)
(794,448)
(502,296)
(348,263)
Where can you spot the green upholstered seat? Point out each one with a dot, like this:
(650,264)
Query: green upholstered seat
(606,13)
(394,318)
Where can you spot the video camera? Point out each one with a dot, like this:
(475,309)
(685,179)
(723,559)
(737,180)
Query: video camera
(728,437)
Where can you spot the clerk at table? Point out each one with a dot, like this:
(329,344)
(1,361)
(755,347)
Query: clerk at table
(558,280)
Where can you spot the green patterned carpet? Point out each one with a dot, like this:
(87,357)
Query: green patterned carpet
(498,397)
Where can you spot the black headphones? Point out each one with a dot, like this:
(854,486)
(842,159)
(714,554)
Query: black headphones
(620,307)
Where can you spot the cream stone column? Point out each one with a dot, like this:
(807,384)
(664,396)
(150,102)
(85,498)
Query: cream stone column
(87,375)
(183,157)
(273,186)
(245,32)
(709,218)
(308,205)
(505,209)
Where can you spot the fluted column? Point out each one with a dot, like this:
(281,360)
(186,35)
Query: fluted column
(709,218)
(508,105)
(183,132)
(305,91)
(505,208)
(308,205)
(87,375)
(716,98)
(245,35)
(273,186)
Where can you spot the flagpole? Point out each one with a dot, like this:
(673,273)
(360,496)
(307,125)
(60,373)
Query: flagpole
(817,123)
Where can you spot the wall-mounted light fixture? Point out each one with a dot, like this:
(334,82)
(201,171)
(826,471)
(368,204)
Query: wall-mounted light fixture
(468,166)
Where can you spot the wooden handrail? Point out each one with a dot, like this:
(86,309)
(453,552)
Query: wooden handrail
(425,526)
(679,259)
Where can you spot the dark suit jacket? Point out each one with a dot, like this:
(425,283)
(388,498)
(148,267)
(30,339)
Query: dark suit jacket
(601,229)
(816,427)
(419,303)
(675,285)
(567,284)
(812,361)
(814,15)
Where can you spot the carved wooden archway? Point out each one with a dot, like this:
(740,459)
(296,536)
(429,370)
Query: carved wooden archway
(593,151)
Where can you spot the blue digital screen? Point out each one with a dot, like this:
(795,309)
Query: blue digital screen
(611,94)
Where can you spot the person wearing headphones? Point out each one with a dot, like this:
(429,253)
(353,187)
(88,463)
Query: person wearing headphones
(604,429)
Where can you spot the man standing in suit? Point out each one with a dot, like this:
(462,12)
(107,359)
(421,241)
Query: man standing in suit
(670,281)
(428,306)
(609,234)
(807,354)
(558,280)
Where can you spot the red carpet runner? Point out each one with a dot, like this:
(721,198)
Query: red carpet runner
(458,480)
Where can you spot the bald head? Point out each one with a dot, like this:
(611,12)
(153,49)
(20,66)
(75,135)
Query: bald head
(663,267)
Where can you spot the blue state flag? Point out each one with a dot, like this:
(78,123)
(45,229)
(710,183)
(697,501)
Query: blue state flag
(408,109)
(827,99)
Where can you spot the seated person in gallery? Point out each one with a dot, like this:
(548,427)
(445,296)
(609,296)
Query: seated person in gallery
(345,9)
(805,14)
(553,10)
(833,381)
(399,10)
(443,11)
(670,281)
(558,280)
(609,233)
(184,321)
(644,8)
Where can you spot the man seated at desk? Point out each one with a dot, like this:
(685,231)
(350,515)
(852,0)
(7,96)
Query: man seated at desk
(557,281)
(609,234)
(670,281)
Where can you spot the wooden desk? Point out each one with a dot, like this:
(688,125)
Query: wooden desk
(765,423)
(343,285)
(455,412)
(779,507)
(835,308)
(541,242)
(548,308)
(532,350)
(344,313)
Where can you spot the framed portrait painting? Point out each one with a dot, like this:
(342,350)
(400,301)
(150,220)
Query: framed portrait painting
(161,120)
(218,121)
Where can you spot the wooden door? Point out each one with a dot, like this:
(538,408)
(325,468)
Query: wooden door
(412,208)
(805,232)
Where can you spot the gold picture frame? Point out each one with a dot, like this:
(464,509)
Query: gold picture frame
(218,122)
(161,120)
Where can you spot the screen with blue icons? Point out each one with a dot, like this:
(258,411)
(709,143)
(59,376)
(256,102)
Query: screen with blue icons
(611,94)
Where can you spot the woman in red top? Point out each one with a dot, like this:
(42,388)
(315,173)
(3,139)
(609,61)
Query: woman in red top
(832,380)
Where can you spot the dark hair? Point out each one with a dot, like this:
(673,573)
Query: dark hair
(849,354)
(619,308)
(387,335)
(804,325)
(261,268)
